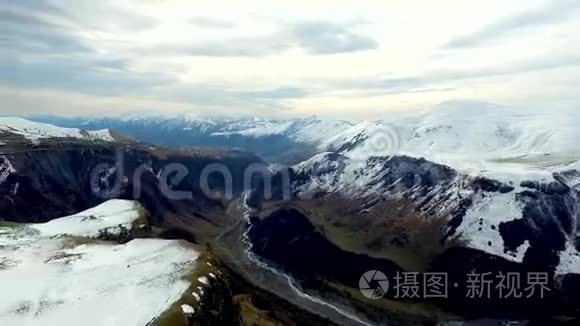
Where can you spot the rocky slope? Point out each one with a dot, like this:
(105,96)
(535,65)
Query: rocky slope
(503,218)
(402,213)
(496,191)
(54,172)
(422,193)
(58,175)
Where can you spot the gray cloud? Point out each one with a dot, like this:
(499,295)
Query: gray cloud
(27,42)
(314,37)
(383,83)
(40,48)
(94,15)
(540,64)
(216,95)
(326,38)
(11,17)
(285,92)
(208,22)
(553,12)
(115,17)
(27,31)
(443,80)
(85,75)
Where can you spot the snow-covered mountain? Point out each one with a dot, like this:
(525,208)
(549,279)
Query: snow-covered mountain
(311,130)
(496,216)
(531,153)
(35,131)
(474,137)
(100,266)
(275,140)
(61,272)
(471,136)
(507,181)
(503,181)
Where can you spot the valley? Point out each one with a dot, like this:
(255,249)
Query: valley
(288,244)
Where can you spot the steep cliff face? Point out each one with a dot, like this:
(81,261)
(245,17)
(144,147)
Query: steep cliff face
(404,213)
(54,177)
(520,219)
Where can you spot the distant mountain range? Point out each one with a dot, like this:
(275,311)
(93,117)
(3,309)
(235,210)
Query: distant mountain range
(36,131)
(278,140)
(468,135)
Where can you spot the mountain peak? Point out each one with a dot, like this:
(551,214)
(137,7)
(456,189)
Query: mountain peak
(35,131)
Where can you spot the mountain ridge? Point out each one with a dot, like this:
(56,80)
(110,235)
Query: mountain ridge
(472,136)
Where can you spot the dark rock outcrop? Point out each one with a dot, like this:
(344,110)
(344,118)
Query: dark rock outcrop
(51,180)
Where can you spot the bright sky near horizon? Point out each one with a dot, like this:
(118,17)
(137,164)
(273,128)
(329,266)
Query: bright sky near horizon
(338,58)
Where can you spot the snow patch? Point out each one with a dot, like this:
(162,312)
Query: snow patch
(52,281)
(332,172)
(187,309)
(480,226)
(203,280)
(310,130)
(110,216)
(569,261)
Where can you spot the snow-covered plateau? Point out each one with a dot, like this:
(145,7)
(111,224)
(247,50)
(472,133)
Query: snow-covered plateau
(59,273)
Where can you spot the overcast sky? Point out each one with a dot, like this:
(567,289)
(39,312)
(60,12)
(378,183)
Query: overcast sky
(346,59)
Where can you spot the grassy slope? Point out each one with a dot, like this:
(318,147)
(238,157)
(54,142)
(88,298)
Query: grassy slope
(391,230)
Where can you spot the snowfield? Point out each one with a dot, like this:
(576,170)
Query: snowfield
(480,226)
(473,137)
(511,145)
(50,278)
(35,131)
(109,217)
(309,130)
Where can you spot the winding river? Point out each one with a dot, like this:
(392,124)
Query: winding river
(291,283)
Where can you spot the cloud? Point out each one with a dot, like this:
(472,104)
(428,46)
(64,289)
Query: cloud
(317,37)
(86,74)
(278,57)
(313,37)
(208,22)
(286,92)
(533,65)
(21,19)
(80,14)
(551,13)
(41,47)
(220,95)
(36,34)
(444,80)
